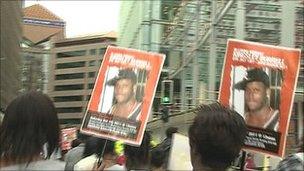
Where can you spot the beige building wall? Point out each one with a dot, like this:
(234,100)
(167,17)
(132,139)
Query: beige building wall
(73,68)
(11,33)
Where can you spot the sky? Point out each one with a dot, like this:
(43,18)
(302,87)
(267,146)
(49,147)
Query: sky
(84,17)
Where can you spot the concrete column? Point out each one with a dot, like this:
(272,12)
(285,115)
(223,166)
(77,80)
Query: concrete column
(184,71)
(240,19)
(195,70)
(288,17)
(212,54)
(155,31)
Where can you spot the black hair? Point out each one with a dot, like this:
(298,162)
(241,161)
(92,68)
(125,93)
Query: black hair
(75,143)
(124,74)
(255,74)
(109,149)
(170,131)
(95,145)
(82,137)
(217,134)
(29,122)
(138,157)
(157,157)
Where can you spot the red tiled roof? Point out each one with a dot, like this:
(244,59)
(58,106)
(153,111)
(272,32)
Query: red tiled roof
(40,12)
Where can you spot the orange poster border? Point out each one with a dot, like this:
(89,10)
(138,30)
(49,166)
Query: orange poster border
(156,62)
(291,58)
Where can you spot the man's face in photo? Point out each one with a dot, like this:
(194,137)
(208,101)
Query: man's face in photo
(123,90)
(255,95)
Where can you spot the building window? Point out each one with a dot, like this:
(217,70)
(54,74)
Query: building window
(71,54)
(91,74)
(69,76)
(69,109)
(99,62)
(92,63)
(102,51)
(92,51)
(67,98)
(70,65)
(90,86)
(68,87)
(166,52)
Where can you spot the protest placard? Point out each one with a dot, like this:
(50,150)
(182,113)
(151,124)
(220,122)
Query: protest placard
(259,81)
(123,93)
(179,158)
(67,136)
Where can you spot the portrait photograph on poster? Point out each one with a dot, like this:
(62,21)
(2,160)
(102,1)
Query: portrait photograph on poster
(123,93)
(258,81)
(260,88)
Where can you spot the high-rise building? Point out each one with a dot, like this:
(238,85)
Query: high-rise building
(145,29)
(73,69)
(11,33)
(41,28)
(193,34)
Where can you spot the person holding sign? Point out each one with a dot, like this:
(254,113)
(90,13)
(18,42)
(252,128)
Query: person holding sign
(124,92)
(257,90)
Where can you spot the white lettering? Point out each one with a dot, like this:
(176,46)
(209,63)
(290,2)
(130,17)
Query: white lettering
(252,56)
(130,60)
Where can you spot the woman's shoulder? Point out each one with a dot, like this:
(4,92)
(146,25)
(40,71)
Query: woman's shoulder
(51,164)
(116,167)
(38,165)
(86,163)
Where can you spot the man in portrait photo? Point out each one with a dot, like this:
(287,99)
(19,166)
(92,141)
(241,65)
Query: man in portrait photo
(258,112)
(125,103)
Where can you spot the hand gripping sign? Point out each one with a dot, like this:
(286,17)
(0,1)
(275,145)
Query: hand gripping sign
(123,93)
(259,81)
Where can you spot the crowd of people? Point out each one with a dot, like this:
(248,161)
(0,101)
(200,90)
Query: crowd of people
(30,141)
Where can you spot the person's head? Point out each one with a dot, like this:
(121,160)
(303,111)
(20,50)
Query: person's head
(109,149)
(157,158)
(124,85)
(75,143)
(93,145)
(256,87)
(138,157)
(30,121)
(215,136)
(170,131)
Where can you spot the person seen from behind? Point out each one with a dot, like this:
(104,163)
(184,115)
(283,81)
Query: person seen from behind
(95,149)
(29,134)
(75,154)
(215,137)
(166,144)
(157,160)
(138,158)
(293,162)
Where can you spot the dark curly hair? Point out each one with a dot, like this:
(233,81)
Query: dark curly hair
(217,134)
